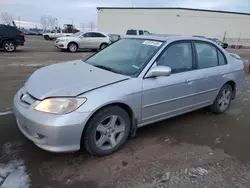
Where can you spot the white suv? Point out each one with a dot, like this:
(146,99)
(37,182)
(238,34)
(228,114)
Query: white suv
(83,40)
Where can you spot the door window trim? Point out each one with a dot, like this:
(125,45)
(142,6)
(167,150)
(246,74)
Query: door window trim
(166,48)
(211,44)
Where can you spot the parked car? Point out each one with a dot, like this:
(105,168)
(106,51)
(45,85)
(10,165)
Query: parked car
(83,40)
(54,35)
(137,32)
(10,38)
(114,37)
(223,44)
(136,81)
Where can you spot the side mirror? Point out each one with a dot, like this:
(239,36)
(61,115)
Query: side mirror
(159,71)
(81,37)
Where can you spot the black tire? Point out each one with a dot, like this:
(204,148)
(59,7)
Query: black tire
(103,45)
(9,46)
(89,135)
(72,47)
(46,37)
(216,107)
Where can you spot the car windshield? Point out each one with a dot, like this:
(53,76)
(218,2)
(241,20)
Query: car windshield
(127,56)
(77,34)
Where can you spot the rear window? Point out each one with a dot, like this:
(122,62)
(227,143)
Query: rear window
(131,32)
(9,31)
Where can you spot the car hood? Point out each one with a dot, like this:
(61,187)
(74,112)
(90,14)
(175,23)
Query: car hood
(63,38)
(69,79)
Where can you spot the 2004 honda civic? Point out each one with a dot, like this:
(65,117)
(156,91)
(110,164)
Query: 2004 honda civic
(134,82)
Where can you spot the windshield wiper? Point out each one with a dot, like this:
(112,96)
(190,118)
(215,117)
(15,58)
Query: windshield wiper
(107,68)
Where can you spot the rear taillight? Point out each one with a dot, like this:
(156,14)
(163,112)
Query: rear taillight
(119,37)
(21,34)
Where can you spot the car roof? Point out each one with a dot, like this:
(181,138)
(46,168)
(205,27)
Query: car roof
(3,25)
(167,37)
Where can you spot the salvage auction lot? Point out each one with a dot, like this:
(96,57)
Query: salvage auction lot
(194,150)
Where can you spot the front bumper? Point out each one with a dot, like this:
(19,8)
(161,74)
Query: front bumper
(61,45)
(55,133)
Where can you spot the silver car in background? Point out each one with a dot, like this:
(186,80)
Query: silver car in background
(134,82)
(83,40)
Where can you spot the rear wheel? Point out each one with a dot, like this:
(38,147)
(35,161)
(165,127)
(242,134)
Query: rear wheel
(9,46)
(106,131)
(46,37)
(104,45)
(223,100)
(72,47)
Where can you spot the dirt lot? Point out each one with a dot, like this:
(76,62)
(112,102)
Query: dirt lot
(198,149)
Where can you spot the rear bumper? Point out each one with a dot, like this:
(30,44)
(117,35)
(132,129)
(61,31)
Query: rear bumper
(19,42)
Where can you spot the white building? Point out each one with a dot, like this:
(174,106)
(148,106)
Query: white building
(179,21)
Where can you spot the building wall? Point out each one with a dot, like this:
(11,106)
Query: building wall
(175,21)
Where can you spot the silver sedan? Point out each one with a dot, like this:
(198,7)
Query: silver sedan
(100,102)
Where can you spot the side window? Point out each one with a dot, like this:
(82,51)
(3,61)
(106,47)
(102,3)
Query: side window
(206,55)
(87,35)
(222,60)
(140,32)
(131,32)
(178,57)
(98,35)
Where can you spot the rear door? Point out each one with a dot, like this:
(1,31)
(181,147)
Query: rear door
(97,39)
(210,69)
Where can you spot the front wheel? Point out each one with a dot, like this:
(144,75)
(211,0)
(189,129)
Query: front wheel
(106,131)
(72,47)
(223,100)
(9,46)
(46,37)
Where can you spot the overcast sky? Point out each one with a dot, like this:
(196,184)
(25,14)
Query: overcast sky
(84,11)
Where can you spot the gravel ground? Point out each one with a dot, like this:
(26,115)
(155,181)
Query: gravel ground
(198,149)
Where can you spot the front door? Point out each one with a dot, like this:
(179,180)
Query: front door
(168,96)
(85,41)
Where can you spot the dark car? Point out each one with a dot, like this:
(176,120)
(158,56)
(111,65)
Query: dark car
(10,38)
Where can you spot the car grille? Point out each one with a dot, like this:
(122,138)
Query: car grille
(26,99)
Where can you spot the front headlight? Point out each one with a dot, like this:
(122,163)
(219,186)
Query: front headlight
(63,40)
(59,105)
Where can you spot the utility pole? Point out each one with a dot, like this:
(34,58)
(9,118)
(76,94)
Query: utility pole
(19,21)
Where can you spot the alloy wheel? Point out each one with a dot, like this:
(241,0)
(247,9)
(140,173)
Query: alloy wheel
(103,46)
(225,99)
(73,48)
(9,47)
(109,132)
